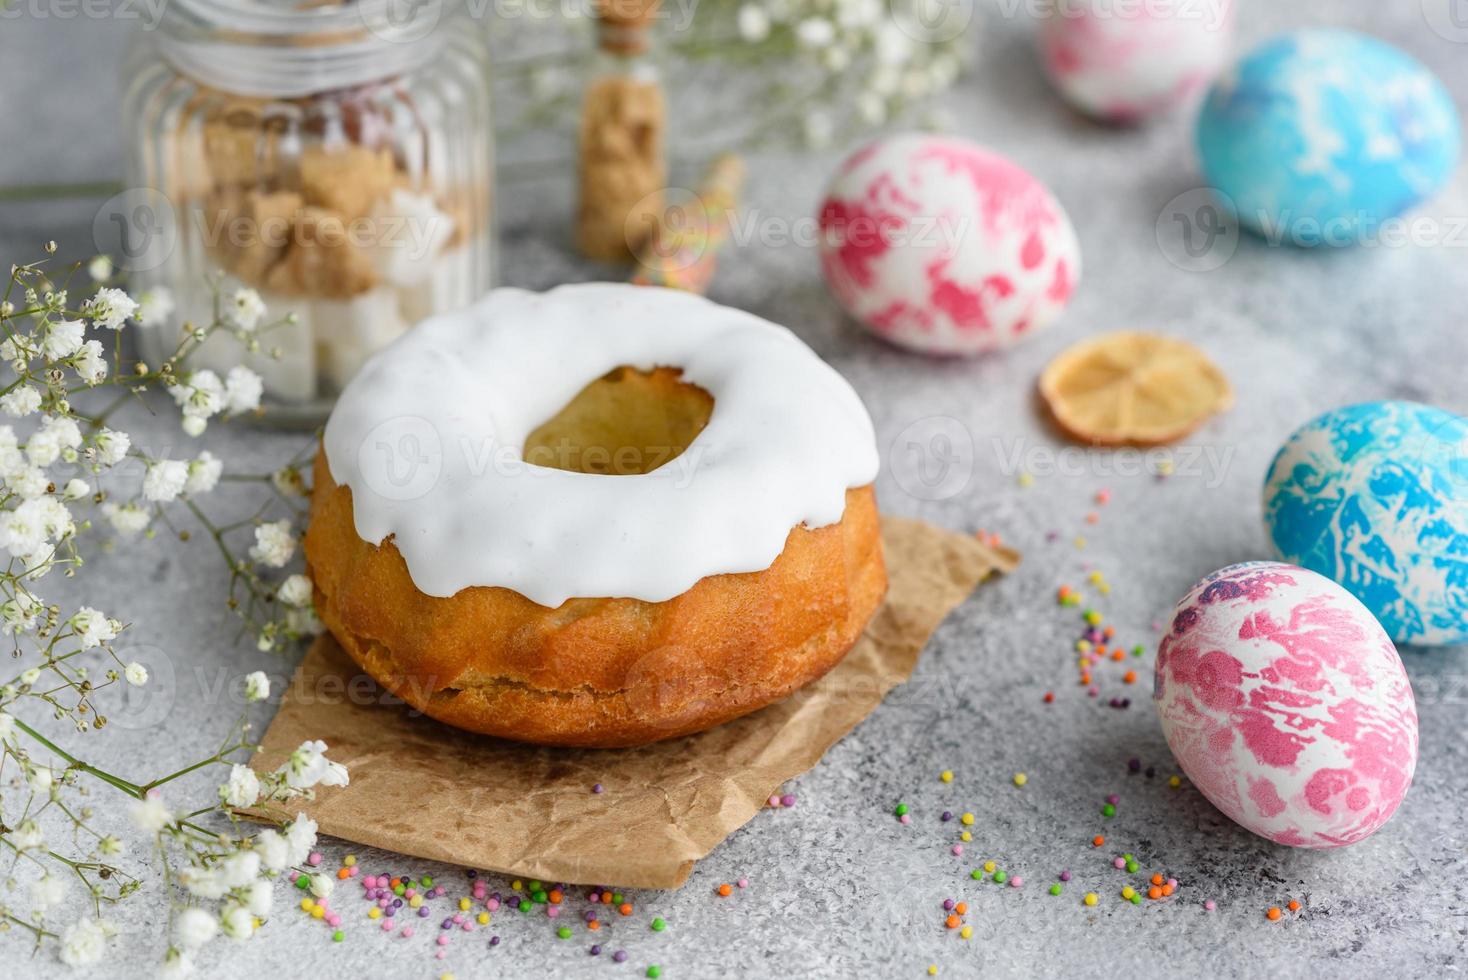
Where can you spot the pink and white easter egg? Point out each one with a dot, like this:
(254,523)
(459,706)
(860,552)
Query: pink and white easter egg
(945,247)
(1126,62)
(1286,704)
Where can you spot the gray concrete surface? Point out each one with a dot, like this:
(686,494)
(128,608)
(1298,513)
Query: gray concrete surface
(837,887)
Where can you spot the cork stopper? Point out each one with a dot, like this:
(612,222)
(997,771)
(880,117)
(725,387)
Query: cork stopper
(622,25)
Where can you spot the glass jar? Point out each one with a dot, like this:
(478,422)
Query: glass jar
(337,159)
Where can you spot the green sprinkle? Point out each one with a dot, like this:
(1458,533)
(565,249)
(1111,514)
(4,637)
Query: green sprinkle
(654,971)
(1000,877)
(1128,858)
(540,897)
(303,882)
(524,908)
(1132,866)
(427,881)
(976,874)
(1108,810)
(1138,650)
(338,936)
(1056,889)
(564,932)
(901,810)
(399,889)
(616,898)
(536,886)
(658,925)
(1137,899)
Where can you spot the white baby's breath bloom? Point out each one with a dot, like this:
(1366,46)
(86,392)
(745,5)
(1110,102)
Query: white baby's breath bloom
(274,851)
(295,591)
(194,426)
(91,363)
(63,338)
(815,32)
(84,942)
(322,885)
(39,779)
(308,766)
(242,390)
(110,308)
(7,726)
(28,836)
(29,676)
(754,23)
(112,446)
(237,923)
(300,838)
(203,473)
(150,814)
(154,306)
(259,897)
(21,532)
(110,846)
(243,788)
(245,309)
(274,544)
(47,892)
(176,964)
(100,269)
(20,402)
(257,686)
(200,395)
(92,627)
(165,480)
(28,482)
(195,927)
(75,489)
(126,519)
(136,674)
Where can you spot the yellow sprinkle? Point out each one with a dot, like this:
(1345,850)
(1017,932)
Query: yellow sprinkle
(933,970)
(349,860)
(1080,543)
(965,836)
(968,819)
(1084,646)
(1026,480)
(306,904)
(1091,898)
(1095,576)
(415,901)
(446,976)
(966,931)
(1104,588)
(1128,892)
(946,775)
(464,904)
(484,918)
(516,884)
(1093,617)
(1174,782)
(989,866)
(319,912)
(374,913)
(1020,779)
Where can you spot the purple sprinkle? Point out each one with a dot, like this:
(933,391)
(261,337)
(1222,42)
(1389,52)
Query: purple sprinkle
(948,905)
(423,911)
(446,924)
(597,788)
(1134,765)
(1113,799)
(390,911)
(494,940)
(472,873)
(1151,771)
(620,956)
(589,915)
(397,903)
(1065,876)
(788,799)
(947,816)
(495,896)
(596,951)
(1126,702)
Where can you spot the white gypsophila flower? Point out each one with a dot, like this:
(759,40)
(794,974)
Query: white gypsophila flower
(754,23)
(20,402)
(257,686)
(135,674)
(21,532)
(204,474)
(194,426)
(815,32)
(155,306)
(126,519)
(67,433)
(7,726)
(245,309)
(288,483)
(75,489)
(274,544)
(242,390)
(110,846)
(43,447)
(112,446)
(306,766)
(91,363)
(92,627)
(273,849)
(194,928)
(300,838)
(176,964)
(322,885)
(29,676)
(237,923)
(150,814)
(39,779)
(295,591)
(63,338)
(110,308)
(165,480)
(28,836)
(258,898)
(84,942)
(47,892)
(243,788)
(100,269)
(200,395)
(304,622)
(55,518)
(28,482)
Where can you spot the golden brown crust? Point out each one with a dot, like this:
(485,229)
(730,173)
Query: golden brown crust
(597,672)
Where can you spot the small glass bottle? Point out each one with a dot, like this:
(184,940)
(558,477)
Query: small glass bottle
(336,158)
(622,171)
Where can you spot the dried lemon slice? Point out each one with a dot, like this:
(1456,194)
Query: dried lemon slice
(1131,388)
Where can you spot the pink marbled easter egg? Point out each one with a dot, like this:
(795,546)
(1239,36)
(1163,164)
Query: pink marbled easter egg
(1124,62)
(942,246)
(1286,704)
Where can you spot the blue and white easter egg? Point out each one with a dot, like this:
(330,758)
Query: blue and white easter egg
(1375,496)
(1319,136)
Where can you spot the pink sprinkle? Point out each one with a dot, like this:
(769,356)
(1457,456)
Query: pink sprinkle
(1016,882)
(383,903)
(443,940)
(409,893)
(1210,905)
(1103,496)
(294,875)
(467,927)
(788,799)
(494,903)
(1113,799)
(905,818)
(333,920)
(743,882)
(314,859)
(387,925)
(352,871)
(368,882)
(774,801)
(443,952)
(1172,883)
(1119,863)
(553,911)
(458,917)
(1093,691)
(958,850)
(593,897)
(407,932)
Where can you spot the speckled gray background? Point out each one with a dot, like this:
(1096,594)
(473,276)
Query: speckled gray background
(837,886)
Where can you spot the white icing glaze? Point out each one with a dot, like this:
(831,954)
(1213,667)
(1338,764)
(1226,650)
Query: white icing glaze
(429,438)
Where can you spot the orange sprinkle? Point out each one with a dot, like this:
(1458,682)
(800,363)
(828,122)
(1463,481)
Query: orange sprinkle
(1092,517)
(625,909)
(342,873)
(1097,841)
(555,896)
(1085,677)
(952,921)
(594,924)
(396,882)
(1154,892)
(1130,677)
(961,908)
(1109,632)
(1100,649)
(606,898)
(1167,889)
(1049,697)
(1273,914)
(1118,655)
(1294,905)
(1157,879)
(725,891)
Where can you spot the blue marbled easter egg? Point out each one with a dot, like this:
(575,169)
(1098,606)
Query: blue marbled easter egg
(1321,135)
(1375,496)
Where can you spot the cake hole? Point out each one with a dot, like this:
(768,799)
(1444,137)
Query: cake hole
(624,423)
